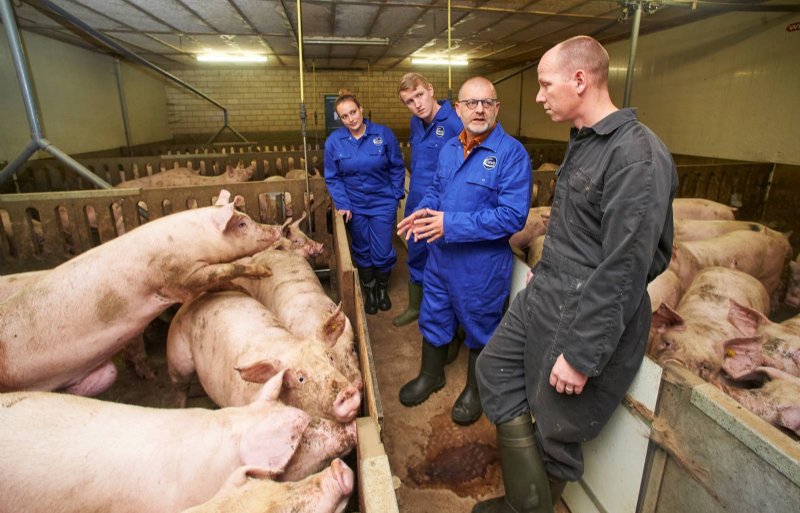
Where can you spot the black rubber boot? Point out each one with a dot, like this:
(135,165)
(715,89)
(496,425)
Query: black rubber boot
(455,345)
(431,376)
(414,301)
(467,408)
(382,279)
(367,277)
(524,475)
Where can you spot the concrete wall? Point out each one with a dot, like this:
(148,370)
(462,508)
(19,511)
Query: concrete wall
(262,99)
(78,99)
(724,87)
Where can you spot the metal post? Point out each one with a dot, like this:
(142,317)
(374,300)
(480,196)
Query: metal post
(26,87)
(637,20)
(122,105)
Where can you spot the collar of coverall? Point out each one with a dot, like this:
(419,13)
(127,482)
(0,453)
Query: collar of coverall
(468,147)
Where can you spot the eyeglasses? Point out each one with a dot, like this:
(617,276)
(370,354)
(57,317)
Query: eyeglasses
(487,103)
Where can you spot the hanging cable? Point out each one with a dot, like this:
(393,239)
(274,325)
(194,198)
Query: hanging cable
(449,59)
(303,115)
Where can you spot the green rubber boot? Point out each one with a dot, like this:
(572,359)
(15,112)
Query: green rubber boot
(524,475)
(431,376)
(467,408)
(414,301)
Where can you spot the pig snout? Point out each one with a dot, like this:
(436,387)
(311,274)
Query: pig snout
(345,407)
(343,476)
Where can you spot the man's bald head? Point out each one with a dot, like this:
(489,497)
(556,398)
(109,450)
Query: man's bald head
(583,52)
(477,82)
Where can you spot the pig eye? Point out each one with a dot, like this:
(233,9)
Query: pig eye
(242,224)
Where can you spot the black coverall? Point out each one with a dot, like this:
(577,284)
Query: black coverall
(610,233)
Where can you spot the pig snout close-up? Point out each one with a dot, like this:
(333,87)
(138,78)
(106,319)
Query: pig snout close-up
(234,343)
(60,330)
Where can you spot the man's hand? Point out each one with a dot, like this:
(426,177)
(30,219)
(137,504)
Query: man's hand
(565,379)
(430,226)
(347,214)
(405,227)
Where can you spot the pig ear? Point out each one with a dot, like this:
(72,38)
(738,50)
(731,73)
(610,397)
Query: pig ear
(239,476)
(665,318)
(222,216)
(745,319)
(224,197)
(333,327)
(272,441)
(259,372)
(229,170)
(238,200)
(271,389)
(296,224)
(741,356)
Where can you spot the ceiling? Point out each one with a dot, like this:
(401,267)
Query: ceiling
(493,35)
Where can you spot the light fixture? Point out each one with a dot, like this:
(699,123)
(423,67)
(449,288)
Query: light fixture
(439,62)
(326,40)
(231,57)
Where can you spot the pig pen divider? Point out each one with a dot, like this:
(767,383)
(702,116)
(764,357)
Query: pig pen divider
(710,454)
(43,230)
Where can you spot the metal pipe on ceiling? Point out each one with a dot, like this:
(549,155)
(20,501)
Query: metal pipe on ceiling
(449,58)
(144,62)
(38,142)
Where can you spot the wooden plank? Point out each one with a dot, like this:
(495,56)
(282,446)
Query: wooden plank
(375,481)
(711,470)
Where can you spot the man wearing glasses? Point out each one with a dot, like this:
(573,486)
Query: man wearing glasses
(479,197)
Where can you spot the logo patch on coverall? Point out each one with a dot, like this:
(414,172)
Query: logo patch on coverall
(377,141)
(490,162)
(440,131)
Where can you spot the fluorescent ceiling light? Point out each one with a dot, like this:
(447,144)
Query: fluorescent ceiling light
(325,40)
(231,57)
(440,62)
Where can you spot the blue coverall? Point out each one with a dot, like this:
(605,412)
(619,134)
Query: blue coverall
(366,176)
(426,143)
(485,199)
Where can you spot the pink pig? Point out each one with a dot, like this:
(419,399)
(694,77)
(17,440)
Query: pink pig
(296,297)
(60,331)
(234,343)
(250,490)
(692,335)
(699,208)
(182,176)
(759,254)
(74,454)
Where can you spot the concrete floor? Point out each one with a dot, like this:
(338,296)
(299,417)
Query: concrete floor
(441,467)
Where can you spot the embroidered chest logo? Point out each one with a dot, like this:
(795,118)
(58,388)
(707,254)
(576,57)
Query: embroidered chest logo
(377,141)
(490,163)
(440,131)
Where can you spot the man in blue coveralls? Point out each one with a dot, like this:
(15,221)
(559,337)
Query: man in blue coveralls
(479,197)
(432,124)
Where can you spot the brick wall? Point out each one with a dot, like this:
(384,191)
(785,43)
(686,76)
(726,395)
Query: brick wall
(268,100)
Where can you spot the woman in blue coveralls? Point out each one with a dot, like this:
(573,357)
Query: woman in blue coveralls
(365,174)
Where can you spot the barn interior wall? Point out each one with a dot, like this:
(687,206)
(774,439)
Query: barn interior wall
(724,87)
(78,99)
(264,99)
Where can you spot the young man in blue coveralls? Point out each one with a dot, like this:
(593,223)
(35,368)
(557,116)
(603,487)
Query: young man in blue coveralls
(365,175)
(573,339)
(432,124)
(479,197)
